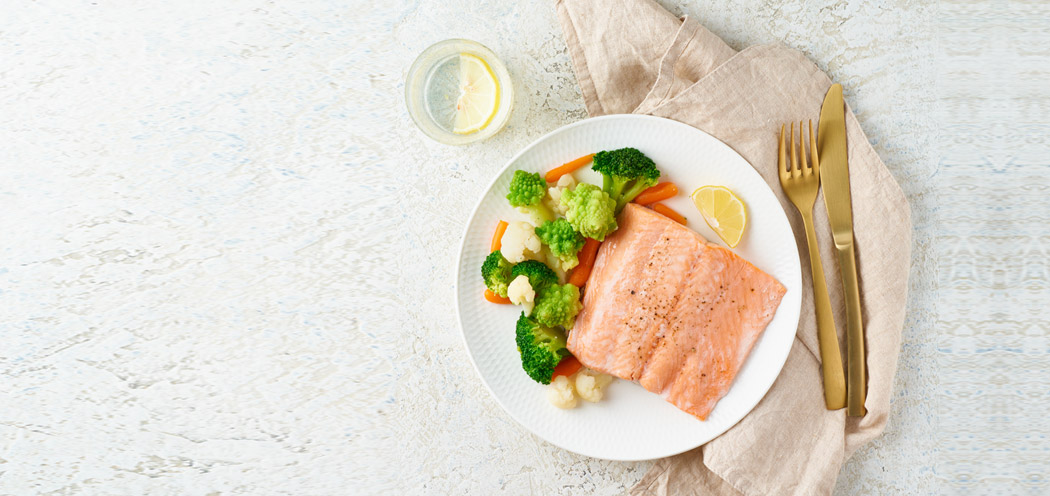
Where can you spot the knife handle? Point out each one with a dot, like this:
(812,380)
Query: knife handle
(830,354)
(856,390)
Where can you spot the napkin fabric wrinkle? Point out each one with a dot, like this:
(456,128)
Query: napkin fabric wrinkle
(633,56)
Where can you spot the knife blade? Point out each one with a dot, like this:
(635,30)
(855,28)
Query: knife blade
(834,178)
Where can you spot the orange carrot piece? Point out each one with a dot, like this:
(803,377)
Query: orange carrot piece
(495,298)
(554,174)
(583,270)
(497,236)
(664,209)
(568,366)
(657,193)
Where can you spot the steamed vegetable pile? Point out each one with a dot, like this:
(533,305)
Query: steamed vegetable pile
(541,264)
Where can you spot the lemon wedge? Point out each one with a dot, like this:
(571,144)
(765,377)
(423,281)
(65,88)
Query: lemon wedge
(722,211)
(478,95)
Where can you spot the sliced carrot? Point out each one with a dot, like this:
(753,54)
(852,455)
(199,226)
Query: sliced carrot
(554,174)
(495,298)
(582,271)
(664,209)
(568,366)
(497,236)
(657,193)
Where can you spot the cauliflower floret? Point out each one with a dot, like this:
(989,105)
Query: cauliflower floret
(559,266)
(567,181)
(560,393)
(519,242)
(520,292)
(553,199)
(553,202)
(591,385)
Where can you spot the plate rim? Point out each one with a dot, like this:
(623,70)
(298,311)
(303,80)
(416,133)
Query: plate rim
(459,265)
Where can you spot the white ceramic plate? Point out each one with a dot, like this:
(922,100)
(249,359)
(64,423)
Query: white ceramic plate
(630,423)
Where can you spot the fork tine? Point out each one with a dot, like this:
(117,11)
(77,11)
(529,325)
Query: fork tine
(795,172)
(813,149)
(782,161)
(802,151)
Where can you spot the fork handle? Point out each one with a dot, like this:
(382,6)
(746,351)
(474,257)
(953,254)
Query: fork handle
(854,331)
(830,355)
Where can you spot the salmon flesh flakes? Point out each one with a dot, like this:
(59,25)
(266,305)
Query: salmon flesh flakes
(669,310)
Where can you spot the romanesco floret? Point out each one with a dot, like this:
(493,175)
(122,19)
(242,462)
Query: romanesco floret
(541,348)
(563,241)
(590,211)
(496,273)
(625,173)
(526,192)
(557,305)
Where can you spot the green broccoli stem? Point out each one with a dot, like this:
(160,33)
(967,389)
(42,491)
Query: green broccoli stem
(539,211)
(614,189)
(636,189)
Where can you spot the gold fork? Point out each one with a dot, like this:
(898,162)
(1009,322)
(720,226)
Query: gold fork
(801,184)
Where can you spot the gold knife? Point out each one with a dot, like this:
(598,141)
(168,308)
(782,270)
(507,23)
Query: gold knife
(834,177)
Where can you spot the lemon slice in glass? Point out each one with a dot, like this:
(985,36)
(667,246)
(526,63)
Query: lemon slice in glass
(479,95)
(722,211)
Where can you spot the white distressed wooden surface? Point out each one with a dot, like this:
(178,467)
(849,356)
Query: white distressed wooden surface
(226,260)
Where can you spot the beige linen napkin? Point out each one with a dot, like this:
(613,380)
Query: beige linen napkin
(635,56)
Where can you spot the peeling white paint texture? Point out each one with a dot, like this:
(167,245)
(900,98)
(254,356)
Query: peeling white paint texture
(226,261)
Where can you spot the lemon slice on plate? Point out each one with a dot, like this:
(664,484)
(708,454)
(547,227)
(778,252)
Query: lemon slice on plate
(478,95)
(722,211)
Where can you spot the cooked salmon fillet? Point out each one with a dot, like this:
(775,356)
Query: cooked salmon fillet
(668,309)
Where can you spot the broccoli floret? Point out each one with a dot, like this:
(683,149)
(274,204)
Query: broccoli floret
(590,211)
(563,241)
(557,305)
(527,192)
(541,348)
(496,273)
(625,173)
(538,273)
